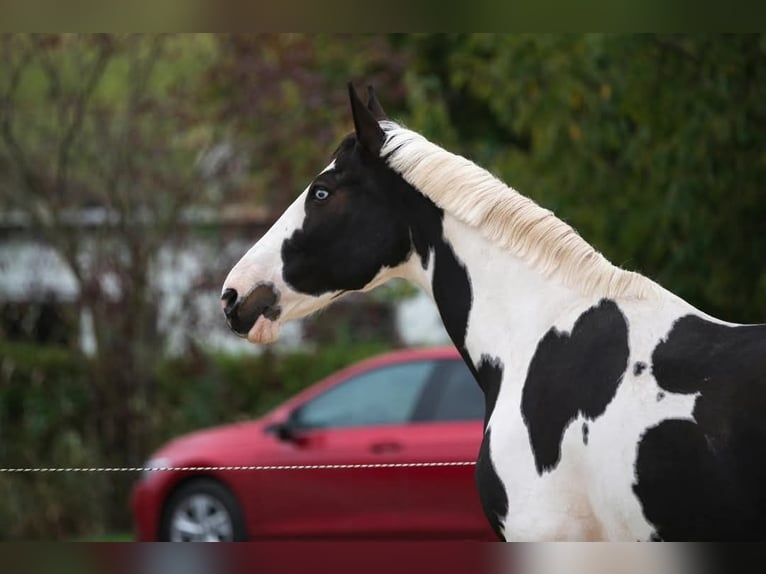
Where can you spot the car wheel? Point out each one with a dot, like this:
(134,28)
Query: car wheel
(202,510)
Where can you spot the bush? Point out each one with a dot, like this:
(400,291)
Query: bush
(48,419)
(44,408)
(219,388)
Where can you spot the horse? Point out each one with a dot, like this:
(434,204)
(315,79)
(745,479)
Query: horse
(615,410)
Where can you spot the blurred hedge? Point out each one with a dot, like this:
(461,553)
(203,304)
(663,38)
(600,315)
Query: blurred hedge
(47,419)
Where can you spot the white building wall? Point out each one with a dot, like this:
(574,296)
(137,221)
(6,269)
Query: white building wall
(30,271)
(419,323)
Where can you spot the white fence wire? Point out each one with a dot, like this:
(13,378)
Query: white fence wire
(236,468)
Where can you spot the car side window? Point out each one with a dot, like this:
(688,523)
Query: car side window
(387,395)
(452,395)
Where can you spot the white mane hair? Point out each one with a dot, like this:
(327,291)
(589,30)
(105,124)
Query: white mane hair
(534,234)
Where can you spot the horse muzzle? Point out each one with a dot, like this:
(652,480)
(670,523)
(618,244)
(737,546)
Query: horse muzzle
(242,313)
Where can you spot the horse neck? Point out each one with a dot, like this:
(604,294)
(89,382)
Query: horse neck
(506,302)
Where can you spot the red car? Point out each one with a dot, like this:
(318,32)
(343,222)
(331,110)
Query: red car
(415,406)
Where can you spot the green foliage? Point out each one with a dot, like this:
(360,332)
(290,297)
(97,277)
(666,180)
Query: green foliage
(651,146)
(43,397)
(46,420)
(211,389)
(285,97)
(99,137)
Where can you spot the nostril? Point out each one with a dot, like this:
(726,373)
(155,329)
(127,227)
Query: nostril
(229,298)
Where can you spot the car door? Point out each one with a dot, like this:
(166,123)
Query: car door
(365,419)
(448,426)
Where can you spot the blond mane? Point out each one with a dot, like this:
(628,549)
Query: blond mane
(504,216)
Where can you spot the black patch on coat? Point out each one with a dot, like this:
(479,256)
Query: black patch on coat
(494,499)
(660,396)
(489,375)
(571,374)
(638,368)
(453,294)
(706,479)
(450,282)
(585,431)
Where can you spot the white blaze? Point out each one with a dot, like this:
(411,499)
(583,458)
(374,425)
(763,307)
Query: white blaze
(263,262)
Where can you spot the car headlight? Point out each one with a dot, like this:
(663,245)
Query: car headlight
(151,466)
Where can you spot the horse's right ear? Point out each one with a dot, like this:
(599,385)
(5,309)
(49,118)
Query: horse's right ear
(368,131)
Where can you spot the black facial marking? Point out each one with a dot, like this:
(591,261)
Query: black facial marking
(494,499)
(349,237)
(373,219)
(585,431)
(571,374)
(660,396)
(704,479)
(638,368)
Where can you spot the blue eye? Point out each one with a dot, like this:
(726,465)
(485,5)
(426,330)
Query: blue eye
(320,193)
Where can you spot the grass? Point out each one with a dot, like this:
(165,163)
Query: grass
(108,537)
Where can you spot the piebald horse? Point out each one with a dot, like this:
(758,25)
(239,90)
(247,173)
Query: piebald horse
(615,410)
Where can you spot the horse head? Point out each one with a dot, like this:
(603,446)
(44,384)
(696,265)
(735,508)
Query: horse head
(345,232)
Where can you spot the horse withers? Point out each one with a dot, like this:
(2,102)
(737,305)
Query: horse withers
(614,409)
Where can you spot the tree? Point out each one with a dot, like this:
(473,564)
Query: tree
(98,140)
(285,97)
(651,146)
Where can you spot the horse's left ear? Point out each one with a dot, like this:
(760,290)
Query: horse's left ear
(368,130)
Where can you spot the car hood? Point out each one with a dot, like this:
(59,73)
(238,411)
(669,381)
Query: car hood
(231,437)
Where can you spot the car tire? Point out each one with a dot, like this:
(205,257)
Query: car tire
(202,510)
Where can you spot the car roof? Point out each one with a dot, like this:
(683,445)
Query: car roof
(403,355)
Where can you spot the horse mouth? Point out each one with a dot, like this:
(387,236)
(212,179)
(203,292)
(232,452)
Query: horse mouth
(261,301)
(264,331)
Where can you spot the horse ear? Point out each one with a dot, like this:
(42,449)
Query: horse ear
(368,130)
(374,105)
